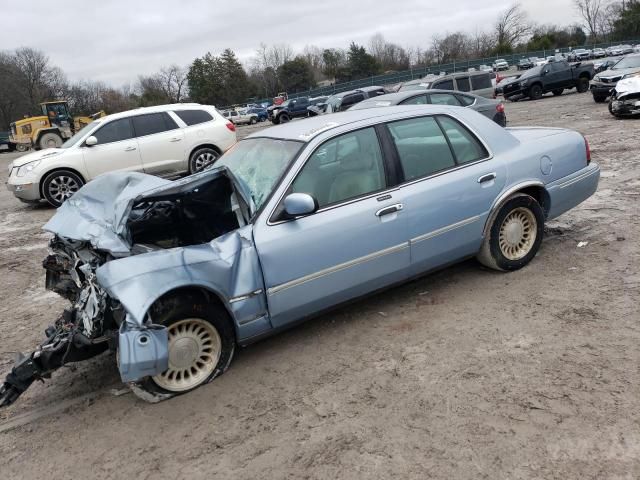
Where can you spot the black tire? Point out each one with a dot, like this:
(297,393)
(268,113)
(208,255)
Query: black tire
(252,121)
(59,186)
(20,147)
(284,118)
(582,85)
(557,92)
(184,307)
(202,158)
(50,140)
(275,120)
(492,254)
(535,92)
(599,98)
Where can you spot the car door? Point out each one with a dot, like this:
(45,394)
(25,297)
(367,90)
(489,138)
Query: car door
(356,241)
(558,76)
(161,143)
(450,184)
(117,149)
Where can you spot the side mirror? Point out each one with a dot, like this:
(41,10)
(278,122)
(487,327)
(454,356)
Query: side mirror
(296,204)
(544,72)
(91,141)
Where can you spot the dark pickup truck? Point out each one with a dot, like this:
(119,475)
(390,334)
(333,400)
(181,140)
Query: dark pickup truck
(5,143)
(552,77)
(292,108)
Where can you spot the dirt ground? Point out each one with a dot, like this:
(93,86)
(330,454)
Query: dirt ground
(466,373)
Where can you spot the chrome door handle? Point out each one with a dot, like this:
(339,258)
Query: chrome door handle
(175,139)
(129,149)
(390,209)
(487,177)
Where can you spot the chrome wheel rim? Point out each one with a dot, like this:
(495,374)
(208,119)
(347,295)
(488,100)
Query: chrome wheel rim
(204,159)
(63,187)
(518,233)
(194,351)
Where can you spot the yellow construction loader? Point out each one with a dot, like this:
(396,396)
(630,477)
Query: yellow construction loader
(50,129)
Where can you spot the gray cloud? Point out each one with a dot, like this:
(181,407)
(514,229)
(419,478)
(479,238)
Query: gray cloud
(116,40)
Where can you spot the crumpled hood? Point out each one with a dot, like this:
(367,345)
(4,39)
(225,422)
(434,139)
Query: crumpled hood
(37,155)
(627,86)
(98,212)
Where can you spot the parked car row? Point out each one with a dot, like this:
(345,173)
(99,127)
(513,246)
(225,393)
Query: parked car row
(604,82)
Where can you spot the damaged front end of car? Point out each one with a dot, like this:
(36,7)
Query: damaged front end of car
(123,217)
(625,97)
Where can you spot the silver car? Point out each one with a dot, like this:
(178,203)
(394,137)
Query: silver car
(493,109)
(292,221)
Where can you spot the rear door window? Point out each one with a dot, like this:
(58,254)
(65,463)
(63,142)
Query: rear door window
(193,117)
(466,147)
(444,99)
(115,131)
(463,84)
(466,100)
(153,123)
(417,100)
(422,147)
(444,85)
(479,82)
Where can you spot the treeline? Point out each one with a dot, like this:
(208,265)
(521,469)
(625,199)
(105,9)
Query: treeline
(27,76)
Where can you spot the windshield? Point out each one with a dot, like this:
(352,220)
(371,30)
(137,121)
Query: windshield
(532,72)
(259,163)
(78,136)
(627,62)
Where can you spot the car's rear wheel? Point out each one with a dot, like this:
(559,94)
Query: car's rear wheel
(515,234)
(557,92)
(202,158)
(599,98)
(535,92)
(59,186)
(201,344)
(583,85)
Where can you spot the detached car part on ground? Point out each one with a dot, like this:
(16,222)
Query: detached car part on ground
(625,99)
(555,76)
(291,221)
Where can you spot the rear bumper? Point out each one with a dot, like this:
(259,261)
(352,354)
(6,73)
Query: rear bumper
(573,189)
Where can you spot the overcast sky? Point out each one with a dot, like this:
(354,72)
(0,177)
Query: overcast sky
(115,40)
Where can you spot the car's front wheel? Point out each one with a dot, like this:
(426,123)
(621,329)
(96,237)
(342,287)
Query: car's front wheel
(202,158)
(599,98)
(201,344)
(59,186)
(515,234)
(284,118)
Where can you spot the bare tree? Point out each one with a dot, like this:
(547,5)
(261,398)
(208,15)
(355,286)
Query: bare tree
(33,67)
(172,81)
(512,26)
(591,12)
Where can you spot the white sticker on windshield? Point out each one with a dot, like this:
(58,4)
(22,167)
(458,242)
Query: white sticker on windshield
(313,132)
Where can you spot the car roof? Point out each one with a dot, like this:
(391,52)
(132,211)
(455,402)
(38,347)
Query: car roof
(155,109)
(400,96)
(307,129)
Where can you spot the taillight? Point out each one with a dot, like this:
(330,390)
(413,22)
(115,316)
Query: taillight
(588,150)
(231,126)
(499,78)
(500,107)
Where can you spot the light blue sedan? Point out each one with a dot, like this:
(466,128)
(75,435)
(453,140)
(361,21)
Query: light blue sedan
(292,221)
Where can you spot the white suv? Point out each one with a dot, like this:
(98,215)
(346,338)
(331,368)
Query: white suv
(167,141)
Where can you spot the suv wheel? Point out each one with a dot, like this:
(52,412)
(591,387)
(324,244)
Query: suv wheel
(60,186)
(599,98)
(283,118)
(201,158)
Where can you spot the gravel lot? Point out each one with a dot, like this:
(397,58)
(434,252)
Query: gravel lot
(466,373)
